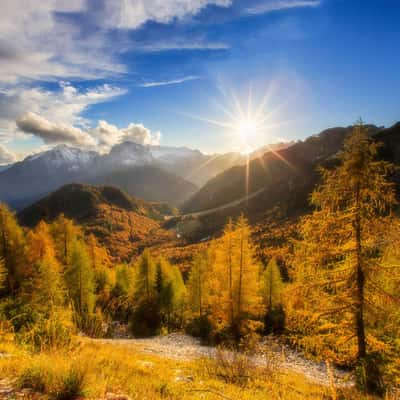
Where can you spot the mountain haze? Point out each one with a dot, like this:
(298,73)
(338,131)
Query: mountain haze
(155,173)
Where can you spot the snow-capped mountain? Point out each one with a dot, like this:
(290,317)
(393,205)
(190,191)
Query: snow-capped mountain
(171,155)
(140,170)
(127,154)
(63,156)
(128,165)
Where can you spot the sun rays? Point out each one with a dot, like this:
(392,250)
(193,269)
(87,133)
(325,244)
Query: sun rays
(248,120)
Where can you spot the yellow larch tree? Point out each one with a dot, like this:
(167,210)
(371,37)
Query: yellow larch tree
(337,261)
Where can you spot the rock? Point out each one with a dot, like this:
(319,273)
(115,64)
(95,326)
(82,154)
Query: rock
(147,364)
(117,396)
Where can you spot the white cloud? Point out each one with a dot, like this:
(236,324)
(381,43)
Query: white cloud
(101,138)
(39,41)
(140,134)
(107,135)
(169,82)
(54,133)
(181,44)
(276,5)
(63,106)
(131,14)
(6,156)
(36,44)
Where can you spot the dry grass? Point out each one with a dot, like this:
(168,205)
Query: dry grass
(94,370)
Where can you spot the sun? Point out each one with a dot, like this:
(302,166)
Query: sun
(248,129)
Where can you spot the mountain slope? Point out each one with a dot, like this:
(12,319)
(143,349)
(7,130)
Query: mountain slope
(120,222)
(37,175)
(128,165)
(147,182)
(281,181)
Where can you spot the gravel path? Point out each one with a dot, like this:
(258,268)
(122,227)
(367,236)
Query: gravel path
(182,347)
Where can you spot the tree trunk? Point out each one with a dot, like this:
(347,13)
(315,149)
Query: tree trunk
(359,313)
(240,276)
(200,292)
(230,280)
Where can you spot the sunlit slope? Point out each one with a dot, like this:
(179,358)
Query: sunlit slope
(120,222)
(288,176)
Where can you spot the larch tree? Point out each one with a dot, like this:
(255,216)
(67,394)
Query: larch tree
(146,317)
(233,277)
(247,298)
(198,286)
(12,250)
(3,273)
(145,279)
(272,290)
(225,271)
(80,280)
(336,262)
(170,291)
(65,234)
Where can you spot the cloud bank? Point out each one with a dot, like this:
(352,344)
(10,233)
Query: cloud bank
(53,133)
(100,138)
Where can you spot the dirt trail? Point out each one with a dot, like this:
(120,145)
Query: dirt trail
(185,348)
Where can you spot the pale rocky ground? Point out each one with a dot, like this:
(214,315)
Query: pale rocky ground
(270,351)
(181,347)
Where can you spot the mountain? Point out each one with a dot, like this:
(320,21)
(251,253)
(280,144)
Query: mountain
(37,175)
(121,223)
(280,180)
(4,167)
(148,182)
(128,165)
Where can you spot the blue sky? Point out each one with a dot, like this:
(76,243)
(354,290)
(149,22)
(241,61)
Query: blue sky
(90,73)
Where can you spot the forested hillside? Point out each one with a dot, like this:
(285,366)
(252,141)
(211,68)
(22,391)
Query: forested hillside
(123,224)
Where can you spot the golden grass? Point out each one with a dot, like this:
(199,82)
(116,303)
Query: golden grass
(101,369)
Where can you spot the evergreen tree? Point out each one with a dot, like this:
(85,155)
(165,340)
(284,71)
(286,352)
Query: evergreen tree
(339,256)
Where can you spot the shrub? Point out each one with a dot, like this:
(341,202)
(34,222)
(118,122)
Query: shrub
(275,320)
(33,377)
(231,366)
(71,384)
(46,334)
(200,327)
(369,374)
(146,320)
(91,324)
